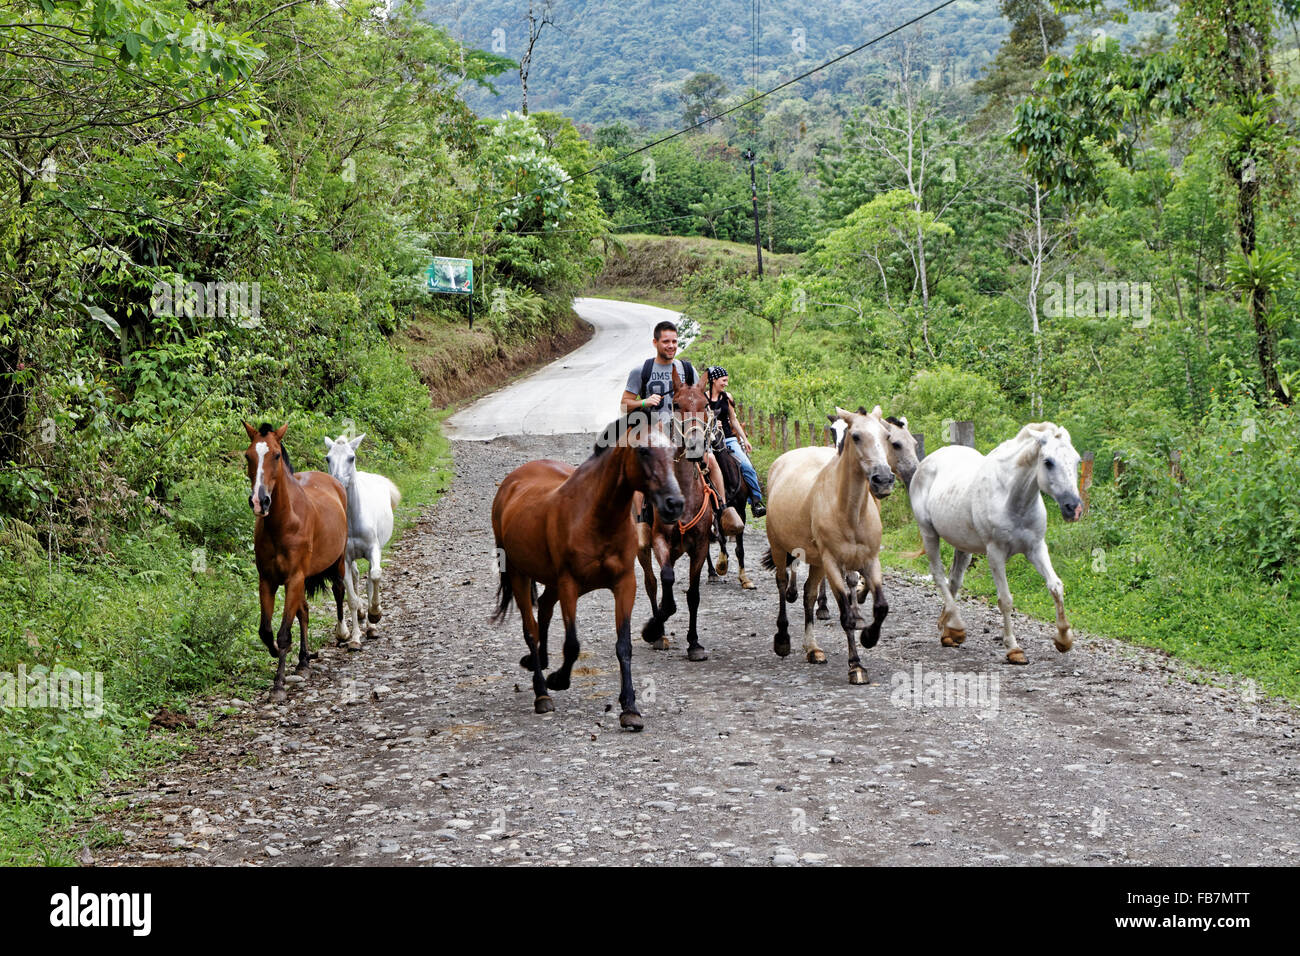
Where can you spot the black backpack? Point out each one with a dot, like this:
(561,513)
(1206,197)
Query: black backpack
(649,364)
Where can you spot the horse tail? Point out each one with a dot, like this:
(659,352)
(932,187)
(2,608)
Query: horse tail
(767,561)
(316,583)
(505,597)
(394,494)
(913,555)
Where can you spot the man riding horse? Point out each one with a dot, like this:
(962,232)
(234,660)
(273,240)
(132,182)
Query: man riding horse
(650,389)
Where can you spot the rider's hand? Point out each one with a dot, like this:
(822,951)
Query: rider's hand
(749,449)
(654,401)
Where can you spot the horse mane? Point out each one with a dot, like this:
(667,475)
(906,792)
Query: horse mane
(265,429)
(1028,453)
(616,432)
(897,420)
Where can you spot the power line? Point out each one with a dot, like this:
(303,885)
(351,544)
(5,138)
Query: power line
(738,106)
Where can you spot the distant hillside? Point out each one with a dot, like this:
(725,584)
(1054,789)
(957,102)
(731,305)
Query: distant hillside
(625,60)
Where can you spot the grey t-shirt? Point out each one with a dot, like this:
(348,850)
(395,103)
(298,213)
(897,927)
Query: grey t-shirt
(660,383)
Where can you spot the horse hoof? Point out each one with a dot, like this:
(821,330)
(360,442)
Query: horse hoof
(952,637)
(558,681)
(782,647)
(816,657)
(1016,656)
(823,614)
(1064,642)
(354,645)
(867,639)
(697,653)
(543,705)
(278,696)
(721,565)
(661,644)
(747,584)
(858,675)
(374,616)
(630,720)
(303,668)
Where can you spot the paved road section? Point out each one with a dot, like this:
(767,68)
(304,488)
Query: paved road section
(576,394)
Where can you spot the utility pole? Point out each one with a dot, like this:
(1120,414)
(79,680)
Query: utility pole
(753,195)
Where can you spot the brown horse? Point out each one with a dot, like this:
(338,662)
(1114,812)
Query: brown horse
(571,530)
(300,541)
(689,533)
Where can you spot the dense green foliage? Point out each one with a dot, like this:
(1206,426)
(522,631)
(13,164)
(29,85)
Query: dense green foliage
(207,215)
(1106,244)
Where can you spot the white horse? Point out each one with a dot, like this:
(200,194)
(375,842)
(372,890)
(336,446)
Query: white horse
(371,499)
(992,505)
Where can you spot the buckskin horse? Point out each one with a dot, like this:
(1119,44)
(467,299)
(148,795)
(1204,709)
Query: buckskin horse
(300,542)
(825,512)
(571,530)
(670,538)
(992,505)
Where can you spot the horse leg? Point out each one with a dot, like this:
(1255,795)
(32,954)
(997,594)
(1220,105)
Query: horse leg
(823,612)
(648,573)
(781,640)
(568,596)
(375,578)
(952,630)
(811,649)
(266,597)
(624,597)
(847,599)
(653,631)
(742,576)
(723,560)
(879,606)
(545,608)
(294,601)
(341,628)
(960,563)
(1038,557)
(998,566)
(695,651)
(523,588)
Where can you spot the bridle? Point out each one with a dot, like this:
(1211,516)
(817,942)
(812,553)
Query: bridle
(709,427)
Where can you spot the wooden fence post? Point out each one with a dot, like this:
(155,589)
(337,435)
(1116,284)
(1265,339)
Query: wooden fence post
(771,430)
(797,443)
(828,436)
(1117,465)
(920,444)
(785,439)
(1176,466)
(962,433)
(1086,483)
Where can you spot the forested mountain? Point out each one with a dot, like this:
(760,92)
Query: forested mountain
(626,60)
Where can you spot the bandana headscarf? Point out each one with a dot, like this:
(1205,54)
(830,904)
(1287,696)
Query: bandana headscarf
(716,372)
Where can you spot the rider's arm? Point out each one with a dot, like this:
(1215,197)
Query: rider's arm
(631,402)
(736,427)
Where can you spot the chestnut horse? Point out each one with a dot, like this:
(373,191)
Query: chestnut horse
(571,530)
(689,534)
(300,542)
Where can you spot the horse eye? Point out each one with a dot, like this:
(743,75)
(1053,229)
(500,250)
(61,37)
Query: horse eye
(857,437)
(898,444)
(1050,463)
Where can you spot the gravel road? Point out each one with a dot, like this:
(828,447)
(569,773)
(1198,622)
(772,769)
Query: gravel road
(424,748)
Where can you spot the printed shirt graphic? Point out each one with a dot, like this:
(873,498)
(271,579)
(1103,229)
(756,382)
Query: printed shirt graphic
(660,383)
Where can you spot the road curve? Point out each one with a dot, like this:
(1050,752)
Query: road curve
(544,402)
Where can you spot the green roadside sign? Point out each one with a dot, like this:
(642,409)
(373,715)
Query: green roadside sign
(454,276)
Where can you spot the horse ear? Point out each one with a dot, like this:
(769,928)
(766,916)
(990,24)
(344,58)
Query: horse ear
(329,443)
(844,414)
(877,411)
(677,379)
(279,432)
(832,418)
(252,432)
(357,441)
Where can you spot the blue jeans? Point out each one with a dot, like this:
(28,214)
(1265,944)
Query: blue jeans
(746,469)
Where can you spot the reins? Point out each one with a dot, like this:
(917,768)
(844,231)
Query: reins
(704,502)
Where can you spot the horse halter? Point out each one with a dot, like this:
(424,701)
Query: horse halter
(680,430)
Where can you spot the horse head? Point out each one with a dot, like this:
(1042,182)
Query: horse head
(645,456)
(692,418)
(263,458)
(901,447)
(1049,451)
(341,457)
(866,436)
